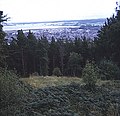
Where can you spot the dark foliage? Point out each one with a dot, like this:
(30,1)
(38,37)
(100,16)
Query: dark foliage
(109,70)
(76,100)
(2,40)
(90,74)
(28,54)
(107,44)
(13,94)
(39,55)
(57,72)
(20,99)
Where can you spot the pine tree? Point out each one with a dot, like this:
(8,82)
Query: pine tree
(90,74)
(22,44)
(78,45)
(45,56)
(2,40)
(54,55)
(69,48)
(62,53)
(42,56)
(107,44)
(85,49)
(74,64)
(14,54)
(31,52)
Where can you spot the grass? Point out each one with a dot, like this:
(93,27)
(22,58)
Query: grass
(73,98)
(49,81)
(41,82)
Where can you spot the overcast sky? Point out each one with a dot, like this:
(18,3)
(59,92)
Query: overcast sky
(49,10)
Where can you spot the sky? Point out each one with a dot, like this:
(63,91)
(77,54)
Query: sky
(54,10)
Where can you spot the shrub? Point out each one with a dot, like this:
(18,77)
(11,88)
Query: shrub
(109,70)
(90,74)
(57,72)
(35,74)
(13,94)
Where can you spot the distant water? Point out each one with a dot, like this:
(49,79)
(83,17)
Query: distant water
(33,26)
(55,24)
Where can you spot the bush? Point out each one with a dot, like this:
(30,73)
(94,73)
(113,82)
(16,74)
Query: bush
(109,70)
(57,72)
(90,74)
(13,94)
(35,74)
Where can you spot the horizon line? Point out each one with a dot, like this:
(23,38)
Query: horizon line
(58,20)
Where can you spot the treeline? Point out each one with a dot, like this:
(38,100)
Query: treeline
(30,55)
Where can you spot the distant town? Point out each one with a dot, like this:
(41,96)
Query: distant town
(70,29)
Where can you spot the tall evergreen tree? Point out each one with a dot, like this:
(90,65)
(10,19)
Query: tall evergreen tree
(14,54)
(78,45)
(42,56)
(61,48)
(74,64)
(108,42)
(45,58)
(2,40)
(69,48)
(31,52)
(22,44)
(54,59)
(85,49)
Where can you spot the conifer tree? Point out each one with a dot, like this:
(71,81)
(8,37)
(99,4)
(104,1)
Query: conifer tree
(90,74)
(22,44)
(62,53)
(74,64)
(31,52)
(54,56)
(42,57)
(2,40)
(107,44)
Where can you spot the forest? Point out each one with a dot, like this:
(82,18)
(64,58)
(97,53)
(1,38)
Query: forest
(28,55)
(91,59)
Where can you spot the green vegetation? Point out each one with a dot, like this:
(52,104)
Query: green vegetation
(109,70)
(2,41)
(42,95)
(74,99)
(28,54)
(107,43)
(41,82)
(13,94)
(90,75)
(74,64)
(57,72)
